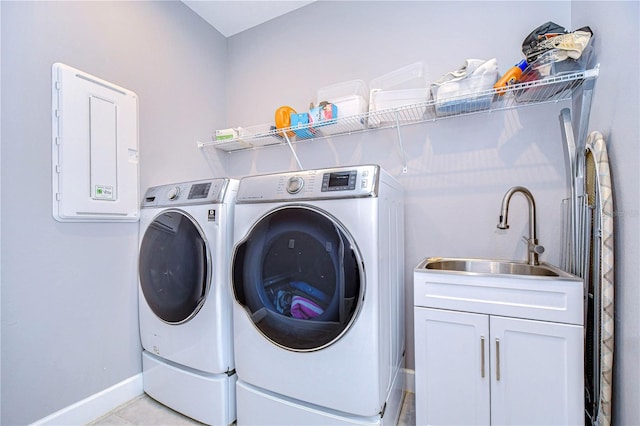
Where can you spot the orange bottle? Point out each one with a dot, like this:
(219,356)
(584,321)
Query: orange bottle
(510,77)
(283,118)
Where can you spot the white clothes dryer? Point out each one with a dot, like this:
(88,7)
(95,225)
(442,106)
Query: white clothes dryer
(185,302)
(318,281)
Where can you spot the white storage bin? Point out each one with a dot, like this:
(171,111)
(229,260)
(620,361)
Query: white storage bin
(350,97)
(230,139)
(411,103)
(386,99)
(399,88)
(350,105)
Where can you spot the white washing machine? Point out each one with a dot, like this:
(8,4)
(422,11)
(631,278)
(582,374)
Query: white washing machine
(185,301)
(318,282)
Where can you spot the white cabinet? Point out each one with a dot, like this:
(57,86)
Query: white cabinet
(497,362)
(536,372)
(477,369)
(451,371)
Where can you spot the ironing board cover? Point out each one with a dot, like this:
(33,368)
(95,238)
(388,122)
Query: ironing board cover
(602,184)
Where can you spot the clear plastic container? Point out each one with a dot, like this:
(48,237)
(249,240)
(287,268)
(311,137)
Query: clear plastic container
(387,99)
(413,76)
(399,88)
(350,97)
(382,100)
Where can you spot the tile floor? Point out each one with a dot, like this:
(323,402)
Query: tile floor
(145,411)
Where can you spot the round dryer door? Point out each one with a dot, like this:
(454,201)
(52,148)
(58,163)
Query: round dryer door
(298,275)
(174,266)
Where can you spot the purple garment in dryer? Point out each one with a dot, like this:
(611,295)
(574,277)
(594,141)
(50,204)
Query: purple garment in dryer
(303,308)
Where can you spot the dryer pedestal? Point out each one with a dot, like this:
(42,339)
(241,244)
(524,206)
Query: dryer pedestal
(260,407)
(208,398)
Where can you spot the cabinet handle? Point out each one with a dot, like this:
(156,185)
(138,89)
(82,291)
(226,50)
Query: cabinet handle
(498,359)
(482,356)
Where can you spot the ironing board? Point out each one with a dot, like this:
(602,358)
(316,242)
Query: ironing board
(599,282)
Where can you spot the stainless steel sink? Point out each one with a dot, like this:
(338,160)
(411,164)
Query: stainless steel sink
(492,266)
(499,287)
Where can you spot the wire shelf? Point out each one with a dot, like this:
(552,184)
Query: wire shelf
(551,89)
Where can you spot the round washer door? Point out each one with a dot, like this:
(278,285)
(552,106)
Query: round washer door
(298,275)
(174,266)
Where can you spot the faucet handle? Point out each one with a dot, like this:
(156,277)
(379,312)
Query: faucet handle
(533,246)
(537,248)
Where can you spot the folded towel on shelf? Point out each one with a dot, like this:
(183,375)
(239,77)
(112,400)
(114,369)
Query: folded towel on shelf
(473,76)
(458,91)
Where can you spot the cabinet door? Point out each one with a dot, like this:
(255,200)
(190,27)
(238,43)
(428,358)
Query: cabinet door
(451,368)
(537,373)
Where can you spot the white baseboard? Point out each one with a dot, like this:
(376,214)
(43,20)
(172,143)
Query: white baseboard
(104,401)
(409,380)
(97,404)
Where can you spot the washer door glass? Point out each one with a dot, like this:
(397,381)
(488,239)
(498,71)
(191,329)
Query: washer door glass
(174,267)
(298,276)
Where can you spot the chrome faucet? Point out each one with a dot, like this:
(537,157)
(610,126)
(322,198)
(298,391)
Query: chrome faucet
(533,247)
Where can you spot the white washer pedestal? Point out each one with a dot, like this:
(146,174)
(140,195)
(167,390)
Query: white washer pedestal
(175,387)
(268,408)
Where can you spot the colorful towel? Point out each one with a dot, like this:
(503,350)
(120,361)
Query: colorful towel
(303,308)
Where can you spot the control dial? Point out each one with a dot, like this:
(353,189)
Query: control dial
(173,193)
(295,184)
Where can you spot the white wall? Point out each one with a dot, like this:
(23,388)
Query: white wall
(615,112)
(69,291)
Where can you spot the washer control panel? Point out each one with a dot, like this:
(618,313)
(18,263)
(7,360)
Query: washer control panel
(196,192)
(339,182)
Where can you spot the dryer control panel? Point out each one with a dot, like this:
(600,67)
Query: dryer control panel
(210,191)
(339,182)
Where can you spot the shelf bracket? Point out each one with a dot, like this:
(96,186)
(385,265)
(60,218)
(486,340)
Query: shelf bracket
(293,151)
(402,153)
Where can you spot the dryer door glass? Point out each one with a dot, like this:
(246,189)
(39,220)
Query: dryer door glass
(174,267)
(298,276)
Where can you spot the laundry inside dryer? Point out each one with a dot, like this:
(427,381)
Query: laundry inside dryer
(297,276)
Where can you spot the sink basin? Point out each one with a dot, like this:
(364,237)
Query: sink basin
(491,266)
(499,287)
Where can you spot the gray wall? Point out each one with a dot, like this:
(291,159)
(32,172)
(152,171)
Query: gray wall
(69,332)
(69,298)
(0,213)
(458,169)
